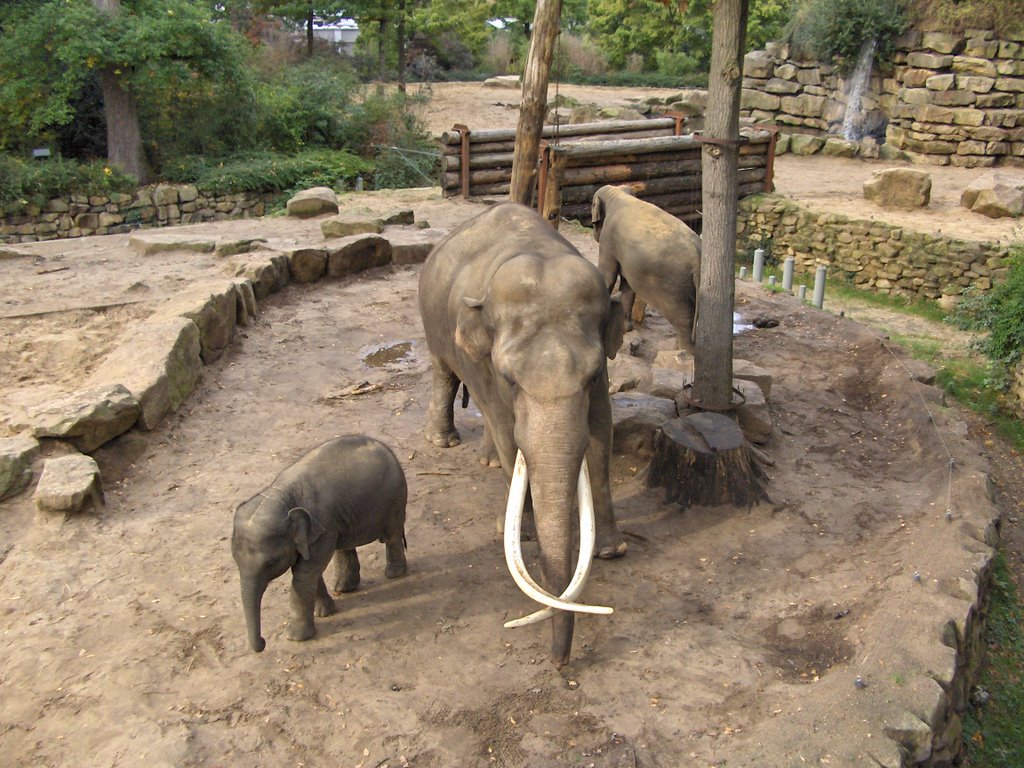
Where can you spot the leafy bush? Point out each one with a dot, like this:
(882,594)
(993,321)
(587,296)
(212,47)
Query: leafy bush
(24,183)
(1000,311)
(835,30)
(268,172)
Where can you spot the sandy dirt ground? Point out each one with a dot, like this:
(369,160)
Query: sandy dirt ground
(737,637)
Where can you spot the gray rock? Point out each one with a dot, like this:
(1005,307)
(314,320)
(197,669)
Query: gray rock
(68,483)
(247,308)
(267,275)
(16,457)
(673,360)
(396,218)
(356,253)
(313,202)
(753,416)
(165,194)
(665,382)
(502,81)
(804,144)
(747,371)
(213,307)
(758,64)
(233,246)
(899,188)
(412,246)
(626,373)
(836,147)
(148,243)
(635,419)
(87,418)
(995,194)
(307,265)
(158,362)
(345,225)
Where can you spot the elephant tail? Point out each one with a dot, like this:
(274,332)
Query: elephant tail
(465,396)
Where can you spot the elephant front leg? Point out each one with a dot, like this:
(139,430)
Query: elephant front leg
(346,571)
(440,416)
(308,593)
(610,541)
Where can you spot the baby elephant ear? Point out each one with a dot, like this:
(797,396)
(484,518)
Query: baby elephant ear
(304,528)
(597,208)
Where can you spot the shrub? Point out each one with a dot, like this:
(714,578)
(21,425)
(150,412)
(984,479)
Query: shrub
(268,172)
(34,182)
(1000,311)
(835,30)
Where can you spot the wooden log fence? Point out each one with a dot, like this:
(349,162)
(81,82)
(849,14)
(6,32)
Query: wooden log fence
(660,165)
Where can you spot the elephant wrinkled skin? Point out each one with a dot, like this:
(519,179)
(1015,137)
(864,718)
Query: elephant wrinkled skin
(514,312)
(653,254)
(343,494)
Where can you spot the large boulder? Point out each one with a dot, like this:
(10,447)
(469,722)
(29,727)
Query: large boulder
(87,418)
(356,253)
(158,362)
(16,457)
(313,202)
(899,188)
(345,225)
(412,246)
(995,194)
(68,483)
(213,307)
(635,419)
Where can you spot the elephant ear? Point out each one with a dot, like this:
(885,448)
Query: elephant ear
(304,528)
(597,209)
(614,329)
(471,333)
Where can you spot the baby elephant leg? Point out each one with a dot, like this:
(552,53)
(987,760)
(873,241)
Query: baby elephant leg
(346,571)
(395,555)
(324,602)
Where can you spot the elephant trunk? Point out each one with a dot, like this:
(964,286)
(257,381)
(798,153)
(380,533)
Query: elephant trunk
(252,598)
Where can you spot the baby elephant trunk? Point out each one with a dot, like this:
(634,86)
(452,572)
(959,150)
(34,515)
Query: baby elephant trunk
(252,598)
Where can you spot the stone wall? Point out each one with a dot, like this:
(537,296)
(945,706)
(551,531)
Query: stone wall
(873,255)
(161,205)
(944,99)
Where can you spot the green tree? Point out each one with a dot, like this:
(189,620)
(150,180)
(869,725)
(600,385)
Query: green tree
(140,51)
(304,13)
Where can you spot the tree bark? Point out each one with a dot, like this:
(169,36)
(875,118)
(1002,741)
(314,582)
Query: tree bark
(124,138)
(400,45)
(535,98)
(309,33)
(712,381)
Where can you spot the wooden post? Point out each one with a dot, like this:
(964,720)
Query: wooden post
(535,97)
(549,194)
(464,132)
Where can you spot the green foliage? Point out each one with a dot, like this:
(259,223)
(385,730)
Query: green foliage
(992,724)
(31,183)
(1000,311)
(835,30)
(166,53)
(268,172)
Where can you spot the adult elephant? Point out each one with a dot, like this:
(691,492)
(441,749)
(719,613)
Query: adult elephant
(513,311)
(652,253)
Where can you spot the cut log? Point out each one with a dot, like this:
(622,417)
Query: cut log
(572,129)
(704,459)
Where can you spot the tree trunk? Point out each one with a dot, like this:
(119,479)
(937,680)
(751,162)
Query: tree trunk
(382,28)
(309,33)
(400,45)
(124,139)
(535,99)
(712,381)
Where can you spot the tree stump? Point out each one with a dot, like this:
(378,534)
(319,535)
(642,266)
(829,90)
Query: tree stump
(704,459)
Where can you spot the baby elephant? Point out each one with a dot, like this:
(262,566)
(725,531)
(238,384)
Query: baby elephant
(653,254)
(341,495)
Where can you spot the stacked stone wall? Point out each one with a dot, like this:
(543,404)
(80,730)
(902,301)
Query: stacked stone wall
(945,99)
(872,255)
(162,205)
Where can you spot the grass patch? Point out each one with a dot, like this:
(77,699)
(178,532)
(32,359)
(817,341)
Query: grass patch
(992,723)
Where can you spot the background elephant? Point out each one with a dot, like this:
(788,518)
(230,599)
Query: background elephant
(343,494)
(511,309)
(653,254)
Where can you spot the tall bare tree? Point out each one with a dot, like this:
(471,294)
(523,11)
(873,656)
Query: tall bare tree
(546,19)
(712,380)
(124,138)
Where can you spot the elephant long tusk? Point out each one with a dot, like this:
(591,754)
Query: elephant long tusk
(514,554)
(588,537)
